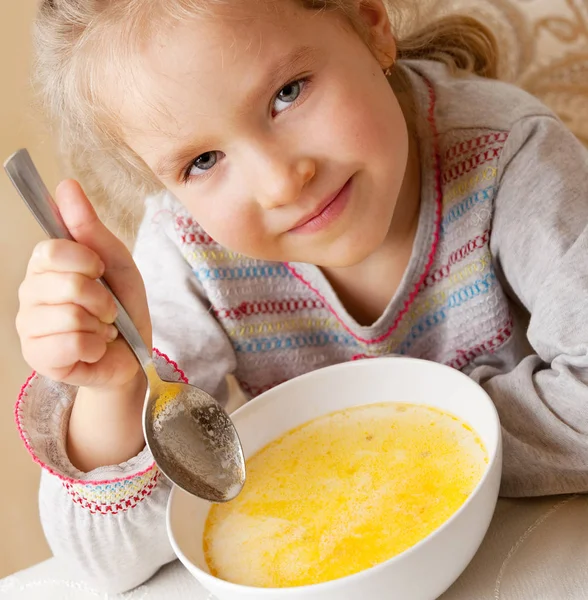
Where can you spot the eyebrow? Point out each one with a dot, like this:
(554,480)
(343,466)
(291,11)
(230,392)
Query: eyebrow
(300,59)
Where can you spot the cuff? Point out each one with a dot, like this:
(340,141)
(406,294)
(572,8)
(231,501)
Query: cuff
(42,415)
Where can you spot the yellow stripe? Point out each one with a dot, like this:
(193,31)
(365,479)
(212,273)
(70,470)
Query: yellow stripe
(269,328)
(466,186)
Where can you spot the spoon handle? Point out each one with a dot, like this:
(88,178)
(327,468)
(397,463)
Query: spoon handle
(27,181)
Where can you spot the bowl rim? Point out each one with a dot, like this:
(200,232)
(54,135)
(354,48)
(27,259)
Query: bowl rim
(326,586)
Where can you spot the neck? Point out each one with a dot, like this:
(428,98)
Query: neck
(365,289)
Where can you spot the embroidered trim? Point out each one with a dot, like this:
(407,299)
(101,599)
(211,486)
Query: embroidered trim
(463,208)
(318,339)
(199,254)
(113,498)
(476,144)
(190,231)
(68,480)
(267,307)
(295,325)
(173,363)
(467,186)
(465,357)
(476,243)
(468,165)
(434,243)
(249,272)
(456,299)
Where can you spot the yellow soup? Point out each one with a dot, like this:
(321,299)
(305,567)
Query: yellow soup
(343,493)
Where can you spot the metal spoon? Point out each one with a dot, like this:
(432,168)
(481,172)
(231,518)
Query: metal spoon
(191,437)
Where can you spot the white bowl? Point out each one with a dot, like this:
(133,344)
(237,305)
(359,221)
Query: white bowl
(424,571)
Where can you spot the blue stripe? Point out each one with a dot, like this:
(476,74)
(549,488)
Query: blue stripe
(455,300)
(109,486)
(294,342)
(251,272)
(459,210)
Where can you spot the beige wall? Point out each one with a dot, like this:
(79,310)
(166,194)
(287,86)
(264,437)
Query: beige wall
(21,539)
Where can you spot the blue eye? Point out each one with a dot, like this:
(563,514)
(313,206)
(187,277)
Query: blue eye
(203,163)
(287,95)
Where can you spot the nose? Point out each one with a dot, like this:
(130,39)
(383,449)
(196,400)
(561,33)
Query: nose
(277,179)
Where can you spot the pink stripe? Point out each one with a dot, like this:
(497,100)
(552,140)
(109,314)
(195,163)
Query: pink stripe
(24,436)
(267,307)
(476,243)
(169,361)
(432,251)
(192,232)
(475,144)
(463,358)
(463,168)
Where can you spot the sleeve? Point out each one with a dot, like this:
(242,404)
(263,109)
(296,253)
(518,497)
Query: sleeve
(540,245)
(109,524)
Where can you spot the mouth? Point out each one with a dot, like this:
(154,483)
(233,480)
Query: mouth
(327,211)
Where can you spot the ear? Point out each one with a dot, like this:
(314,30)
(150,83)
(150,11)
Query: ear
(374,17)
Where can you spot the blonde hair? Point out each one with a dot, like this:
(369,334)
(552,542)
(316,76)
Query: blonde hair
(74,41)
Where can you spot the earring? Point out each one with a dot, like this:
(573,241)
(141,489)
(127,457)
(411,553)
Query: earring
(388,70)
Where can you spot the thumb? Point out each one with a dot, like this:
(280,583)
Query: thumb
(121,272)
(86,228)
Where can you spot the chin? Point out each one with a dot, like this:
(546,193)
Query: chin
(352,250)
(348,255)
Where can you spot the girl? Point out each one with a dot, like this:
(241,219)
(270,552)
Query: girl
(319,189)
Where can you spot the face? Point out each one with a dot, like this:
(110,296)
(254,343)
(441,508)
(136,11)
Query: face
(276,128)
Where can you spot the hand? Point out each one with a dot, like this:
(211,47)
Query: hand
(65,317)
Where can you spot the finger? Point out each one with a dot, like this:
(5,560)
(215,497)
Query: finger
(121,271)
(116,367)
(87,229)
(65,256)
(44,320)
(68,288)
(59,353)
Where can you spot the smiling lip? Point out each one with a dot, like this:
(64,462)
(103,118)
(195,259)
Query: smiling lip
(326,213)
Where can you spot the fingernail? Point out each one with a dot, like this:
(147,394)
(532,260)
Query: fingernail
(38,250)
(111,333)
(112,317)
(101,268)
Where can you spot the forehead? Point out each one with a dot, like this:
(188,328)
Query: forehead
(202,67)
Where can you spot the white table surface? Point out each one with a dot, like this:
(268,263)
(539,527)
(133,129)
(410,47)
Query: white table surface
(534,550)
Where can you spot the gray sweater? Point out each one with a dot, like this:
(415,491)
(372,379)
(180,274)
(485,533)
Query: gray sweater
(497,286)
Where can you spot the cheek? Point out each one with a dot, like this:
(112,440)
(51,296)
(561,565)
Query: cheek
(234,226)
(382,132)
(366,123)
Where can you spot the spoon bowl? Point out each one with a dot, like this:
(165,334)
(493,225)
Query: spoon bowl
(211,465)
(191,437)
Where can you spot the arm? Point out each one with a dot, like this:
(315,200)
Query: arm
(109,523)
(540,244)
